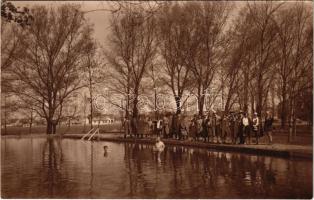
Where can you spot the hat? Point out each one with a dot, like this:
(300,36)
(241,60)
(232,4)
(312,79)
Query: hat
(255,113)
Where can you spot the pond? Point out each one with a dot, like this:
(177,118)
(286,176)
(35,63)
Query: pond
(36,167)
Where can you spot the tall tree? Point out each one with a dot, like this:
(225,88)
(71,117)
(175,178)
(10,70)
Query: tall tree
(285,21)
(206,41)
(48,72)
(131,51)
(172,40)
(263,27)
(302,60)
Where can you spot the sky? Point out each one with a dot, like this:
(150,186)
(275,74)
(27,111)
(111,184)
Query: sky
(95,12)
(99,18)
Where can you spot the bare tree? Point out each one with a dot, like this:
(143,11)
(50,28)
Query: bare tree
(172,37)
(302,60)
(54,47)
(29,116)
(242,51)
(231,69)
(8,106)
(93,74)
(131,51)
(206,43)
(285,22)
(263,29)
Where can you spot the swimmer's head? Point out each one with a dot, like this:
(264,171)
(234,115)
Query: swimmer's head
(158,139)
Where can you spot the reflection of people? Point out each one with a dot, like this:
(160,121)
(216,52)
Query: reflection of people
(105,151)
(159,145)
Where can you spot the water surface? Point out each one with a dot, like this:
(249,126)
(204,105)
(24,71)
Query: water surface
(67,168)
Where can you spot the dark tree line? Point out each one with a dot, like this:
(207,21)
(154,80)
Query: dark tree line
(263,54)
(255,61)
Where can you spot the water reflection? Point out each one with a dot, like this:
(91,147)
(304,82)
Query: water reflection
(56,168)
(52,162)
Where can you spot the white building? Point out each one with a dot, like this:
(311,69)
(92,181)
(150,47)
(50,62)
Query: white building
(101,120)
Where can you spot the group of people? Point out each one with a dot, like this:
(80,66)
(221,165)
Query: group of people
(237,127)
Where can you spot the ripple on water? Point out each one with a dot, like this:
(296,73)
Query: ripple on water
(41,168)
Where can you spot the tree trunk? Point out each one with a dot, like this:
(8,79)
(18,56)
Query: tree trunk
(252,103)
(201,104)
(91,95)
(127,105)
(259,104)
(31,122)
(5,115)
(246,92)
(5,122)
(283,114)
(291,120)
(294,123)
(49,126)
(273,100)
(135,111)
(178,104)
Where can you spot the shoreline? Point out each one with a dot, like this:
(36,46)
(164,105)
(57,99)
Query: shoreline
(276,150)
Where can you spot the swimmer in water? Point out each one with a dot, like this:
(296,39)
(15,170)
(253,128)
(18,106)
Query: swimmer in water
(159,145)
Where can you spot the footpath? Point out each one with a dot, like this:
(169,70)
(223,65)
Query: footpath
(278,150)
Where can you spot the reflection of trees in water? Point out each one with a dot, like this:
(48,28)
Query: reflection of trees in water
(294,180)
(52,160)
(187,172)
(91,182)
(135,156)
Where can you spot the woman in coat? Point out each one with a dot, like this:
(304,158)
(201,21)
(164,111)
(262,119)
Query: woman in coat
(193,128)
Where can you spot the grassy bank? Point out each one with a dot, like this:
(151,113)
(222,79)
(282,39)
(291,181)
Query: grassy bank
(74,129)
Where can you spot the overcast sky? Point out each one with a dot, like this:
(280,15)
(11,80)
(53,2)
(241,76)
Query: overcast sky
(100,18)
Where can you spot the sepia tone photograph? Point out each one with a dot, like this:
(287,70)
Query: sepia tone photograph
(156,99)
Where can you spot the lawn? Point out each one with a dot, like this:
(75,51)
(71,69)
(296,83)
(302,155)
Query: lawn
(73,129)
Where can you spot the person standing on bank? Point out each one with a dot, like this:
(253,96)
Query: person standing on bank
(183,128)
(166,128)
(159,126)
(141,128)
(234,129)
(205,126)
(193,128)
(199,123)
(240,134)
(256,124)
(268,126)
(246,128)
